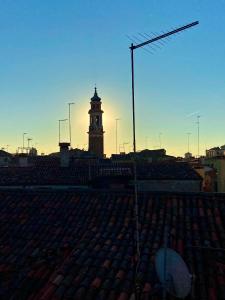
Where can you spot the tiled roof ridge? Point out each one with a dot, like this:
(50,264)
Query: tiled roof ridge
(90,190)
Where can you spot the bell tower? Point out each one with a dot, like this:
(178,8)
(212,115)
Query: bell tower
(96,133)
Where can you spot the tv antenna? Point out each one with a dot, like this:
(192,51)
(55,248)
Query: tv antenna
(117,119)
(133,47)
(152,40)
(125,143)
(28,143)
(198,128)
(188,141)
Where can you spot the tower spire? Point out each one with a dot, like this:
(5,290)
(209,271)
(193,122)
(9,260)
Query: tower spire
(95,97)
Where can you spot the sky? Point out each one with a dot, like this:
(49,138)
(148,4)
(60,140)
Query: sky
(54,52)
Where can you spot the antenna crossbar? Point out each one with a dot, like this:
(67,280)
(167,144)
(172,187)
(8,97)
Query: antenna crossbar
(162,36)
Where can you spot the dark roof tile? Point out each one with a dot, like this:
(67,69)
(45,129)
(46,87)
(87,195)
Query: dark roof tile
(48,250)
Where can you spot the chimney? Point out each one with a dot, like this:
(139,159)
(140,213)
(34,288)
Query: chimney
(64,155)
(23,161)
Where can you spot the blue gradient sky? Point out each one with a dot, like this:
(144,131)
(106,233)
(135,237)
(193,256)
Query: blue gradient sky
(53,52)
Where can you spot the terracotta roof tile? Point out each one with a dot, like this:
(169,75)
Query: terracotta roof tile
(78,245)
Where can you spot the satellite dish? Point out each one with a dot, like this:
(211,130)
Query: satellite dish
(173,273)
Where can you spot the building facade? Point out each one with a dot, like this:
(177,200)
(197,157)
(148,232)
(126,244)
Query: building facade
(96,132)
(215,152)
(218,163)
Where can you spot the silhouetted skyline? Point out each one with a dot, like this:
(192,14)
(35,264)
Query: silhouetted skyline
(53,53)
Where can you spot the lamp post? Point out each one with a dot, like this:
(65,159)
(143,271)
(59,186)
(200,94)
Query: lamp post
(198,125)
(61,120)
(69,104)
(116,133)
(28,144)
(124,146)
(120,148)
(23,140)
(188,140)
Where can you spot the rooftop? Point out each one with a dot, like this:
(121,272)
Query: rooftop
(47,172)
(79,245)
(167,170)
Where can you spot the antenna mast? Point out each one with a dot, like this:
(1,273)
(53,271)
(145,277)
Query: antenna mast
(132,48)
(198,124)
(117,119)
(188,144)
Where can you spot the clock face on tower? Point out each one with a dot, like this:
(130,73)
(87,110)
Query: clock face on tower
(97,119)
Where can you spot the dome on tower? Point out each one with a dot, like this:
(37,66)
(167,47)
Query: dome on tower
(95,97)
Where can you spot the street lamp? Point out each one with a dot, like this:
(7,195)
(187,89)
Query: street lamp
(124,146)
(116,132)
(70,103)
(188,138)
(61,120)
(198,124)
(28,144)
(23,140)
